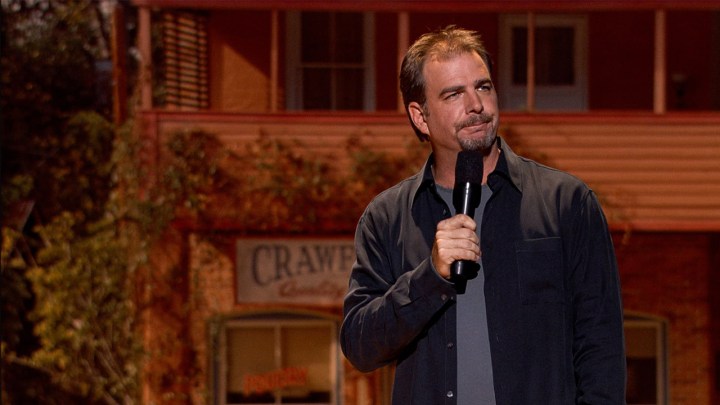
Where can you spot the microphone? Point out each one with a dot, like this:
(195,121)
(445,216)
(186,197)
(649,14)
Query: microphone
(466,197)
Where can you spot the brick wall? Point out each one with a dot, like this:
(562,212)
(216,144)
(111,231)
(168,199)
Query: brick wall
(667,275)
(671,276)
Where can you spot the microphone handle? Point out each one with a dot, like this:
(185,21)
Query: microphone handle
(466,198)
(463,269)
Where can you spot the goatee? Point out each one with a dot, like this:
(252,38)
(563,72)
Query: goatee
(477,145)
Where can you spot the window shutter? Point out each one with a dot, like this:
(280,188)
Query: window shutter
(185,57)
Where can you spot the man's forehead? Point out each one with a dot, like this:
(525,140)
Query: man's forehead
(439,62)
(441,54)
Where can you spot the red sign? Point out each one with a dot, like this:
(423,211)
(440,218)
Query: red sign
(275,380)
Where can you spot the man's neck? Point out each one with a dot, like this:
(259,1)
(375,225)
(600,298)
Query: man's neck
(444,167)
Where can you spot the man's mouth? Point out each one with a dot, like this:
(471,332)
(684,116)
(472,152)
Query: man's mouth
(475,123)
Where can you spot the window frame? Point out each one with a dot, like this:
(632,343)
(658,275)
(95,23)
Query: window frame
(547,97)
(294,73)
(659,326)
(276,322)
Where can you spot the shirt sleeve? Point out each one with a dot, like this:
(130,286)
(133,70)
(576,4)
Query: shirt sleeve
(387,307)
(598,345)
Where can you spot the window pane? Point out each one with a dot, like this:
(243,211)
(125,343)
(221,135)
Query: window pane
(642,365)
(315,37)
(519,55)
(283,362)
(348,38)
(316,89)
(250,353)
(307,349)
(349,89)
(554,56)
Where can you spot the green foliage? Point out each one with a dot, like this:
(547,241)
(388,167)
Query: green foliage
(47,75)
(277,186)
(77,179)
(15,189)
(192,163)
(373,171)
(84,315)
(86,309)
(56,157)
(83,170)
(281,187)
(13,299)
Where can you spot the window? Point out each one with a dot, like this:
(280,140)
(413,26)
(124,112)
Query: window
(330,61)
(184,72)
(280,360)
(645,341)
(560,62)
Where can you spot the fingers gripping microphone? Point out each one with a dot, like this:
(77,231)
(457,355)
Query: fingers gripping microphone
(466,198)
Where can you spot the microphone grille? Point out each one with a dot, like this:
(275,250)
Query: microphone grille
(469,167)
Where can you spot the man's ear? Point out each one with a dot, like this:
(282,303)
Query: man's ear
(417,115)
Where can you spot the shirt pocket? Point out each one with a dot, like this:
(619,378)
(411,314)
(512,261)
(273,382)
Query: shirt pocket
(540,275)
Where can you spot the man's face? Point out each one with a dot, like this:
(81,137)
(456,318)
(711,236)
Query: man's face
(461,112)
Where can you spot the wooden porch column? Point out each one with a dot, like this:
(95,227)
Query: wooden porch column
(660,87)
(403,44)
(530,86)
(274,61)
(145,49)
(119,49)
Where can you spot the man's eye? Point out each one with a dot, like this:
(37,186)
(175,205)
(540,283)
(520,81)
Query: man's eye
(485,87)
(451,96)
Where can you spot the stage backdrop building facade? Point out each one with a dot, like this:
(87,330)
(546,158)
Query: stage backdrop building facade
(245,309)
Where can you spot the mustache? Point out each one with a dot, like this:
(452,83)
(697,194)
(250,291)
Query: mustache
(481,118)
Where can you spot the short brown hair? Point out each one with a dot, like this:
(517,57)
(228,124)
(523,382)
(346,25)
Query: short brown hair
(445,42)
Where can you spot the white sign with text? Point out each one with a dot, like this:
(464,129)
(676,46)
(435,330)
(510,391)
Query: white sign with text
(299,271)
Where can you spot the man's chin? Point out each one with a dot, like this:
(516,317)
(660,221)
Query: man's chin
(478,144)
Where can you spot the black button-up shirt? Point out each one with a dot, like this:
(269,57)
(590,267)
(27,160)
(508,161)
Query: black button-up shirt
(551,289)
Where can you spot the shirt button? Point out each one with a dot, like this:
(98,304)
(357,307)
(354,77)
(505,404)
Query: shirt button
(450,394)
(450,345)
(444,297)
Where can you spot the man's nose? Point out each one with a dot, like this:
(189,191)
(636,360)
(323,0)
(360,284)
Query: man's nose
(474,103)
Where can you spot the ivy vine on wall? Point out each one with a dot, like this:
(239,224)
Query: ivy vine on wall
(274,185)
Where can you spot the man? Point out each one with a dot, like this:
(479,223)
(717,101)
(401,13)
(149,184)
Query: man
(542,323)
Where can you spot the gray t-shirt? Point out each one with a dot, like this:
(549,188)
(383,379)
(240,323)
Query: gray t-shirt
(475,376)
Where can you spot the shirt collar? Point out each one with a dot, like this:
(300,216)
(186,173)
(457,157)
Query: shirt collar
(424,179)
(507,168)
